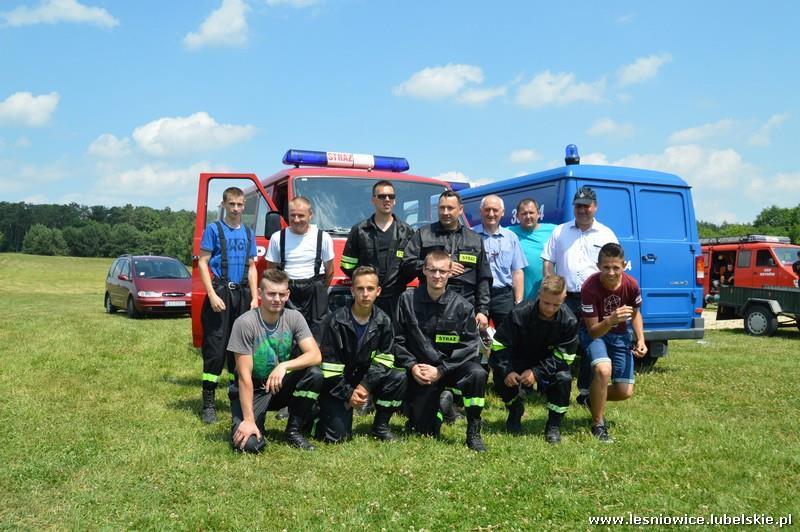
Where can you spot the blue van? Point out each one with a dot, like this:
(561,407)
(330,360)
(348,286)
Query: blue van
(652,215)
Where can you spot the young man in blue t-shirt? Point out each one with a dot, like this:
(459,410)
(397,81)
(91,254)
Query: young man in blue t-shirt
(228,271)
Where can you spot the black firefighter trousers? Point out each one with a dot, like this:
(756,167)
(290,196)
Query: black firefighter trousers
(422,401)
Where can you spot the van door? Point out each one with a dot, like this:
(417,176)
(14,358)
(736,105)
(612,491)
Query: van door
(667,254)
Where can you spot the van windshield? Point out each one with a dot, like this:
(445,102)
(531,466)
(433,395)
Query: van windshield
(341,202)
(786,255)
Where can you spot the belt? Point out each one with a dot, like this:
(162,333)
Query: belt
(500,289)
(304,282)
(229,285)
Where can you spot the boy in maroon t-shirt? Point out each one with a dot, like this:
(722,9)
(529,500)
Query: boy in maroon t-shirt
(609,299)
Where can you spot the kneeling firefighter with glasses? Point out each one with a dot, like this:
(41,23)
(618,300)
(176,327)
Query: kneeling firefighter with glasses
(357,360)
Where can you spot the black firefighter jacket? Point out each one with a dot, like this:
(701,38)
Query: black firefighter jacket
(464,246)
(339,347)
(524,339)
(361,249)
(438,333)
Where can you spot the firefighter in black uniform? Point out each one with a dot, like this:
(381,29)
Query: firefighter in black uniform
(536,344)
(379,241)
(357,361)
(437,341)
(471,276)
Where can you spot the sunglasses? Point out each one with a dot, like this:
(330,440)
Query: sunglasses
(384,196)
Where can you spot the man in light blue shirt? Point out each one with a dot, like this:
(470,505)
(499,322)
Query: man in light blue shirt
(505,257)
(532,237)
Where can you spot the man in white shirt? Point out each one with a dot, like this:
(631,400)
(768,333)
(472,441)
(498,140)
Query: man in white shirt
(306,254)
(571,252)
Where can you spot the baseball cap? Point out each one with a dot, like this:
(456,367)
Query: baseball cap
(584,196)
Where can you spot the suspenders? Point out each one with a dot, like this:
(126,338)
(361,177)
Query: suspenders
(317,258)
(224,250)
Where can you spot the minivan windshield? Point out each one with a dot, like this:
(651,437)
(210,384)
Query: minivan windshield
(338,203)
(786,255)
(159,269)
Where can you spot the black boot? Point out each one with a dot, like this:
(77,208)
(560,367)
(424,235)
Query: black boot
(474,440)
(514,420)
(209,412)
(448,408)
(294,437)
(380,427)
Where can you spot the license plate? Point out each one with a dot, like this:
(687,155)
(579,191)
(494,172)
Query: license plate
(175,303)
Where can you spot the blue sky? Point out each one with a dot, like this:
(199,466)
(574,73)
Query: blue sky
(114,102)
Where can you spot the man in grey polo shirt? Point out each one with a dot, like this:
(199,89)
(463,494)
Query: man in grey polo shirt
(571,252)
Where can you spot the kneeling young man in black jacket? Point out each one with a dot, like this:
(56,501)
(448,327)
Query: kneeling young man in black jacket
(357,360)
(536,344)
(437,341)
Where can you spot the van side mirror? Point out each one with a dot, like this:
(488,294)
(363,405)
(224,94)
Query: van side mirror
(272,223)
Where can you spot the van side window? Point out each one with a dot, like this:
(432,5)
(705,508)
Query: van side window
(114,271)
(668,224)
(126,268)
(615,209)
(764,258)
(744,258)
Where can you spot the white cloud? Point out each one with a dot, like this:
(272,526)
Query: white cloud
(524,155)
(23,108)
(479,96)
(225,26)
(705,131)
(55,11)
(181,135)
(642,69)
(292,3)
(16,177)
(108,146)
(762,136)
(594,158)
(435,83)
(607,126)
(625,19)
(558,89)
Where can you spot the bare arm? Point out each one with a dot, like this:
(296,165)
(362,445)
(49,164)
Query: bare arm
(252,280)
(247,428)
(637,323)
(217,305)
(328,272)
(310,356)
(548,268)
(518,284)
(598,328)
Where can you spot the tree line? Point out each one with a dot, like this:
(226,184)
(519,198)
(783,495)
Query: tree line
(96,231)
(776,221)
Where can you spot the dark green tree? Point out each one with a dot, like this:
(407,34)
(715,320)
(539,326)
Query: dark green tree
(41,240)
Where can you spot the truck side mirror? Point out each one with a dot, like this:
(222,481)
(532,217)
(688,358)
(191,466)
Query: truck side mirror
(272,223)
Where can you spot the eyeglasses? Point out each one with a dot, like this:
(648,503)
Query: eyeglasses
(436,271)
(384,196)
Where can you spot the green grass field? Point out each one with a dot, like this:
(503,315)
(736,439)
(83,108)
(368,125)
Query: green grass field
(99,429)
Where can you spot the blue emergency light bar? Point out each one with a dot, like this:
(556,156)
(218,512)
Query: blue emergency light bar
(345,160)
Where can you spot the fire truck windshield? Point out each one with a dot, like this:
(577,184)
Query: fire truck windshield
(786,255)
(341,202)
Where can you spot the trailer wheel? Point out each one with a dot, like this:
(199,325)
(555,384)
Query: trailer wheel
(760,321)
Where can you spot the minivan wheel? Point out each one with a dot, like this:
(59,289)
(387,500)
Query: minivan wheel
(760,321)
(132,312)
(110,309)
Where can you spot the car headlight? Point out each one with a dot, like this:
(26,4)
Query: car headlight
(188,294)
(145,293)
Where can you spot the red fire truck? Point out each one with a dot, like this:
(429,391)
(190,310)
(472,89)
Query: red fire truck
(753,261)
(339,186)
